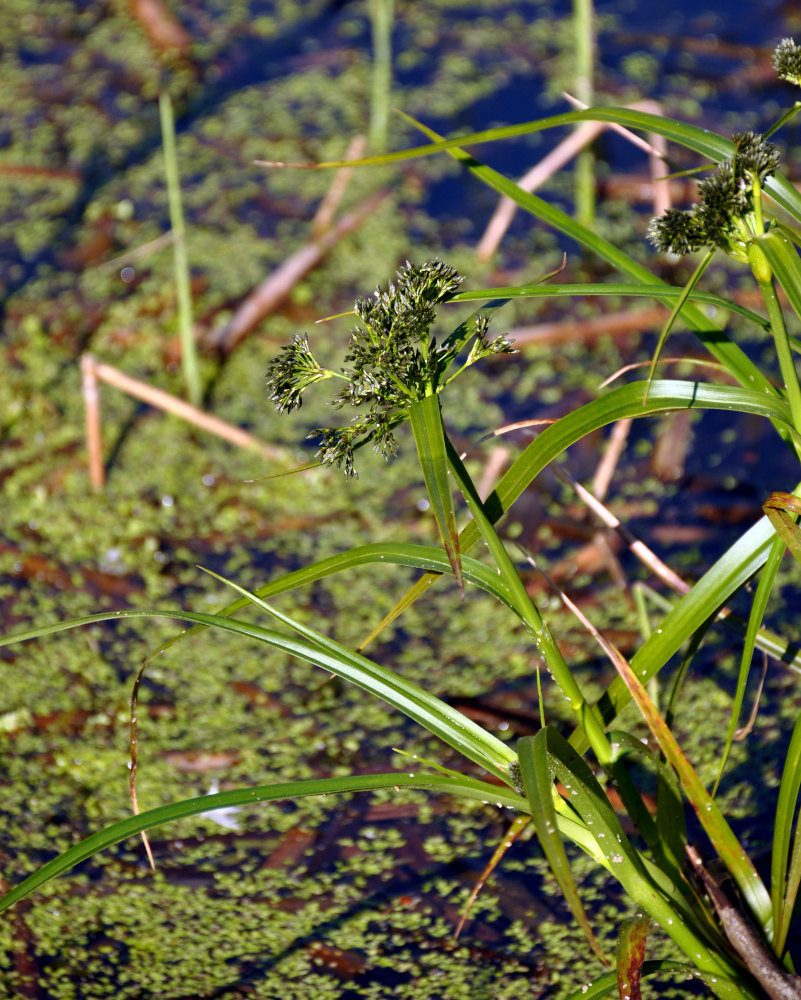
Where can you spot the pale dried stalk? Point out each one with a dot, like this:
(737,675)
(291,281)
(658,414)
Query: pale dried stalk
(334,195)
(638,548)
(611,324)
(277,287)
(93,370)
(163,30)
(608,464)
(138,253)
(562,154)
(91,402)
(530,181)
(655,147)
(492,471)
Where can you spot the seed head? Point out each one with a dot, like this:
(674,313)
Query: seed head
(392,361)
(787,61)
(725,213)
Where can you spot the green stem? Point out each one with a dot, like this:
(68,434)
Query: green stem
(586,714)
(185,325)
(759,219)
(584,171)
(783,350)
(783,119)
(381,20)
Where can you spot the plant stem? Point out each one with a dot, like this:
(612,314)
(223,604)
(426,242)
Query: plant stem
(584,171)
(586,714)
(185,324)
(783,351)
(381,21)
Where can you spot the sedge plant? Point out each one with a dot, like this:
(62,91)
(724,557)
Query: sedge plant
(733,932)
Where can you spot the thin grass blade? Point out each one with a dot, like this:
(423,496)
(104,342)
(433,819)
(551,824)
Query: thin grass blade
(429,711)
(678,305)
(784,887)
(429,436)
(661,901)
(538,784)
(665,293)
(707,143)
(432,713)
(625,401)
(428,558)
(546,645)
(758,605)
(465,787)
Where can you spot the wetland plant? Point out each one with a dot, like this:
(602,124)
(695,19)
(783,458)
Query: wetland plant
(734,933)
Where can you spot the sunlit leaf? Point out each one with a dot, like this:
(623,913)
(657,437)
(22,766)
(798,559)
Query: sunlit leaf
(784,884)
(436,716)
(758,605)
(649,887)
(429,437)
(707,810)
(675,311)
(538,784)
(665,293)
(465,787)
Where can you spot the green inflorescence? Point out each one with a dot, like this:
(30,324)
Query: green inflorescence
(725,216)
(392,361)
(787,61)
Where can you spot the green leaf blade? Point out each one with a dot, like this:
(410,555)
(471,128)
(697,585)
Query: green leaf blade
(465,787)
(429,437)
(538,785)
(784,889)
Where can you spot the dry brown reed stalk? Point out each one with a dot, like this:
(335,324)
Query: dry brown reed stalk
(163,30)
(336,192)
(562,154)
(94,371)
(492,471)
(530,181)
(276,288)
(610,458)
(615,324)
(91,402)
(138,253)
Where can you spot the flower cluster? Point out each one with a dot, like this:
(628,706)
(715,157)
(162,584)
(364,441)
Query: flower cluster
(292,372)
(787,61)
(725,216)
(392,361)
